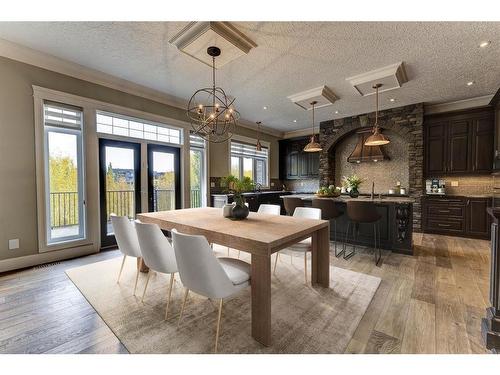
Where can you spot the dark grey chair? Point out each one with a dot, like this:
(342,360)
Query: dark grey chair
(363,212)
(291,203)
(329,211)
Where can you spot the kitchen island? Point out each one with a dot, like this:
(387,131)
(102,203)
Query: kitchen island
(396,224)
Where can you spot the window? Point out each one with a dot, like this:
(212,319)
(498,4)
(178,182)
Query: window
(109,123)
(64,184)
(246,161)
(197,171)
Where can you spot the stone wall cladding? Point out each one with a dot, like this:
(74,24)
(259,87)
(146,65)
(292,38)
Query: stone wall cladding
(407,121)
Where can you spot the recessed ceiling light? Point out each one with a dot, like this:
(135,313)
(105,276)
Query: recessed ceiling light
(470,83)
(264,108)
(336,112)
(486,43)
(294,120)
(392,99)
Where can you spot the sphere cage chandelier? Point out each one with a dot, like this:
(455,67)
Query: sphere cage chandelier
(210,110)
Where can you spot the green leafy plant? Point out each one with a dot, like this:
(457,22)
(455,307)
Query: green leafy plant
(352,182)
(237,187)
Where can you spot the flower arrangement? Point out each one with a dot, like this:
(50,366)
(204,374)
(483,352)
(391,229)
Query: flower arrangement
(352,184)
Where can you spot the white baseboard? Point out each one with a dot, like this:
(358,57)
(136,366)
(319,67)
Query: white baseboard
(52,256)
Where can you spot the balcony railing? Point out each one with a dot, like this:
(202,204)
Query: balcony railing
(63,209)
(64,205)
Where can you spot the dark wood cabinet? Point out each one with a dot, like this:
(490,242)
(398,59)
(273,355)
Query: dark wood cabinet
(295,163)
(459,216)
(477,222)
(459,143)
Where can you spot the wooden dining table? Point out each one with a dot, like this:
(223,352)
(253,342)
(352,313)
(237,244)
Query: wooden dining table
(260,235)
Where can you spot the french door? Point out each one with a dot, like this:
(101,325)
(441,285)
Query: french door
(164,182)
(120,184)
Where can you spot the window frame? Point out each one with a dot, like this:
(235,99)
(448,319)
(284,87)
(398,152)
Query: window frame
(204,172)
(82,230)
(251,142)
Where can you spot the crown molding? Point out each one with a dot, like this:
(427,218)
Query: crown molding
(42,60)
(480,101)
(298,133)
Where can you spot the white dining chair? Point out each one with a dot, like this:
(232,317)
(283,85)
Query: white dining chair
(270,209)
(204,274)
(303,246)
(158,255)
(126,239)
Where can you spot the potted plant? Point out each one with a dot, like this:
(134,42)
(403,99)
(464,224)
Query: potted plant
(352,183)
(237,187)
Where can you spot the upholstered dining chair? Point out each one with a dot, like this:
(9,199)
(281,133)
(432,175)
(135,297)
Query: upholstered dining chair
(158,254)
(303,246)
(126,239)
(204,274)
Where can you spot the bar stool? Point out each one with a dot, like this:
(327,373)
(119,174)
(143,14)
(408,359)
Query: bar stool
(291,203)
(329,211)
(363,212)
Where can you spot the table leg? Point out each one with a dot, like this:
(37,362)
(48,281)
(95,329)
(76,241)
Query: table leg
(320,274)
(261,299)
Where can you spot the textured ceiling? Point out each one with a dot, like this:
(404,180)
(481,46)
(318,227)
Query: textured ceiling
(291,57)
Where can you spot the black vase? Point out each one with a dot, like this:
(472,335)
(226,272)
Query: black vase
(240,212)
(354,193)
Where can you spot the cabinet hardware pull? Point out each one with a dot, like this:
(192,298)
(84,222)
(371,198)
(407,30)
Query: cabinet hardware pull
(444,211)
(444,225)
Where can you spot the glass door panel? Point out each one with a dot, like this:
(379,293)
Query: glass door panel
(120,184)
(197,177)
(164,178)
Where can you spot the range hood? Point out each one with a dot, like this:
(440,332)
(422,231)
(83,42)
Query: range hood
(362,153)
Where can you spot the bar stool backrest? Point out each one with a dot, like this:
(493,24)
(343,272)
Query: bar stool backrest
(362,212)
(291,203)
(328,208)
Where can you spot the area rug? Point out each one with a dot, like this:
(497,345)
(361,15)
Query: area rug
(304,319)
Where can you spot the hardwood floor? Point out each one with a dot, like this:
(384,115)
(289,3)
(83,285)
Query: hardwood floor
(431,302)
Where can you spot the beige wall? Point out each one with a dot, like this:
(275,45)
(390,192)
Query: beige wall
(17,144)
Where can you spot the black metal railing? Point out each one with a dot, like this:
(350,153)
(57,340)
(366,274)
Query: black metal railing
(195,198)
(121,203)
(64,209)
(64,205)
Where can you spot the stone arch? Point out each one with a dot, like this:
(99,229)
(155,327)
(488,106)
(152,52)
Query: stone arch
(405,121)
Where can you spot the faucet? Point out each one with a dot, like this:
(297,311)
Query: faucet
(373,190)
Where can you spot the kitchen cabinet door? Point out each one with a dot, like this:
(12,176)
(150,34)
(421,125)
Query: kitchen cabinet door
(459,154)
(435,151)
(293,165)
(478,223)
(314,164)
(483,144)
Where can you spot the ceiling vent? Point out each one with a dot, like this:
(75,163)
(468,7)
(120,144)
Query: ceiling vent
(391,77)
(322,95)
(196,37)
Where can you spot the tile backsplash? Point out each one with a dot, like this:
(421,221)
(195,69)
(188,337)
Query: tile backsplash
(469,185)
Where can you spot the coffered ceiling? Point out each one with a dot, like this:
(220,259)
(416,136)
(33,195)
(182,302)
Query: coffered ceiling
(290,57)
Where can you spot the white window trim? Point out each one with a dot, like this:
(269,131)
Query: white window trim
(90,150)
(266,144)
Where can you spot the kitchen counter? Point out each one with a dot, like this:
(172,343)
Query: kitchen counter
(396,221)
(345,198)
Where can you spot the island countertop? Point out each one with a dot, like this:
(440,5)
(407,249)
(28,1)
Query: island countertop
(345,198)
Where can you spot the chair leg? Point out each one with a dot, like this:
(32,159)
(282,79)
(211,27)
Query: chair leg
(305,266)
(337,254)
(121,269)
(239,252)
(376,229)
(146,286)
(186,292)
(276,262)
(348,255)
(172,277)
(137,275)
(218,326)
